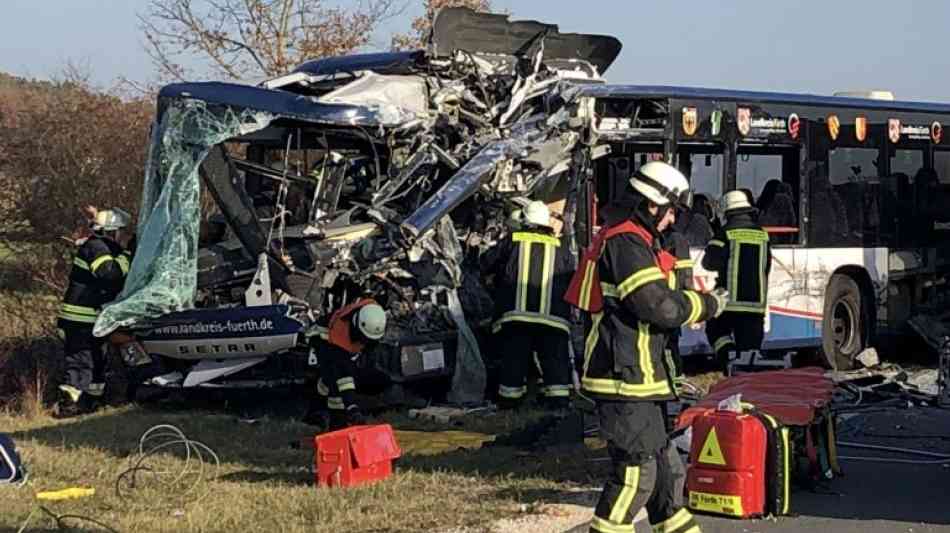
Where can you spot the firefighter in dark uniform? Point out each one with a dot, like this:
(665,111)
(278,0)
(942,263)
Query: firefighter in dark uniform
(740,255)
(623,281)
(351,330)
(532,270)
(96,278)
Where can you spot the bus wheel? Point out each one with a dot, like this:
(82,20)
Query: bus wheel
(844,326)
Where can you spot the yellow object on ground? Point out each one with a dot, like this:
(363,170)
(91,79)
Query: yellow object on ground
(71,493)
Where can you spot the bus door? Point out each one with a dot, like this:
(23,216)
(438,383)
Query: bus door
(772,173)
(615,170)
(705,166)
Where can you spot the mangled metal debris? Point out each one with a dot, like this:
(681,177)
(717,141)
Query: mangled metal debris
(380,174)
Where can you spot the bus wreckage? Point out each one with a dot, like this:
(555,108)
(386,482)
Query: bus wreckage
(387,175)
(378,174)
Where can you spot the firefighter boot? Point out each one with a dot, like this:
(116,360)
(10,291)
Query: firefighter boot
(344,419)
(317,414)
(74,403)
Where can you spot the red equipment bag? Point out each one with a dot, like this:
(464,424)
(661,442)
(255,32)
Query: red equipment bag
(740,464)
(355,455)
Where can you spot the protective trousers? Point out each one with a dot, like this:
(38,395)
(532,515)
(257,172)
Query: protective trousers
(519,342)
(644,472)
(735,331)
(337,383)
(84,369)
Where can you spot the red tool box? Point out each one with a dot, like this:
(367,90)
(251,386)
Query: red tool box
(355,455)
(739,464)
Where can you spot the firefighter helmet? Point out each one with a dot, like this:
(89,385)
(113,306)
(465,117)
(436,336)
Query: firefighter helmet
(537,213)
(111,219)
(371,320)
(662,184)
(734,200)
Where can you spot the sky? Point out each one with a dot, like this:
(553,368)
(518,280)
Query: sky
(806,46)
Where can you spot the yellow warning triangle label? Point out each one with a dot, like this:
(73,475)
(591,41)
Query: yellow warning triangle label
(711,453)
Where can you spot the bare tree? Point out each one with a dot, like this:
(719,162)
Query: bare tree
(242,39)
(416,38)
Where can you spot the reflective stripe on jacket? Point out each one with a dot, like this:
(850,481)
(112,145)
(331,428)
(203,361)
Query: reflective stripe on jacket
(625,349)
(96,278)
(532,272)
(741,257)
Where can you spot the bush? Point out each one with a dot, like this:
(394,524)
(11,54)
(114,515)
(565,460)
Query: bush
(65,146)
(29,368)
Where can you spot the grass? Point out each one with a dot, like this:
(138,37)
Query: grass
(443,480)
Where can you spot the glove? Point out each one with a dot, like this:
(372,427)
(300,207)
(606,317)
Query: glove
(722,297)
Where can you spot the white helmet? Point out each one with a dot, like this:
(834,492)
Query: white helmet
(537,213)
(662,184)
(733,200)
(111,219)
(371,320)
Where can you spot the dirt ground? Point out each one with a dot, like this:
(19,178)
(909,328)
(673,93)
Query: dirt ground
(446,481)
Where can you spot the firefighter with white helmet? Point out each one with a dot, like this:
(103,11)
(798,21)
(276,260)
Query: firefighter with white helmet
(351,330)
(531,270)
(95,279)
(623,281)
(740,255)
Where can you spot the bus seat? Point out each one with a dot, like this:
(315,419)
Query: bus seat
(698,229)
(829,222)
(778,209)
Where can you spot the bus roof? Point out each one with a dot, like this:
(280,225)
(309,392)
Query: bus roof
(666,91)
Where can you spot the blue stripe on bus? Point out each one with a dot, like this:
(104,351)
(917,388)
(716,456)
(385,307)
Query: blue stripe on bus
(785,332)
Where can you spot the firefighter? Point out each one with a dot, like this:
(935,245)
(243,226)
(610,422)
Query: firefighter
(96,278)
(532,269)
(741,258)
(623,281)
(351,330)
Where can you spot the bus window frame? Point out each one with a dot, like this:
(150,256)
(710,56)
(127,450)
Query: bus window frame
(694,147)
(800,184)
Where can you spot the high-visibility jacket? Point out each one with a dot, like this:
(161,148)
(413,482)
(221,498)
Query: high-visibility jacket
(339,331)
(96,278)
(532,270)
(624,353)
(740,255)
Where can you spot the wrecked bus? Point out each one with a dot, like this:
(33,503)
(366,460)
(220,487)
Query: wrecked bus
(854,192)
(388,174)
(379,174)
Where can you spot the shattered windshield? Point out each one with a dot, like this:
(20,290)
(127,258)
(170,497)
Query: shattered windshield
(162,278)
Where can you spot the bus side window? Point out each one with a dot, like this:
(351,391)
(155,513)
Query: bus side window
(771,173)
(703,167)
(909,177)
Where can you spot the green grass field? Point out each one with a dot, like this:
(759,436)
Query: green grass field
(443,480)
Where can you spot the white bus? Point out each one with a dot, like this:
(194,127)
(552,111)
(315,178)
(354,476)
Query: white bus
(853,191)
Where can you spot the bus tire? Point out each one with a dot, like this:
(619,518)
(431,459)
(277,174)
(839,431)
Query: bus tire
(845,323)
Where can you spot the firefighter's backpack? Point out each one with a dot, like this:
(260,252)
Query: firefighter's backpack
(11,469)
(740,464)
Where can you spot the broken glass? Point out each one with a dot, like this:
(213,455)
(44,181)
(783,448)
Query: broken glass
(163,274)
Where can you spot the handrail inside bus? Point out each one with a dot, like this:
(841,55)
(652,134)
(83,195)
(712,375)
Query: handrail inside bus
(780,229)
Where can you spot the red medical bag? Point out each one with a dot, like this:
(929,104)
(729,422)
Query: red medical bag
(739,464)
(355,455)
